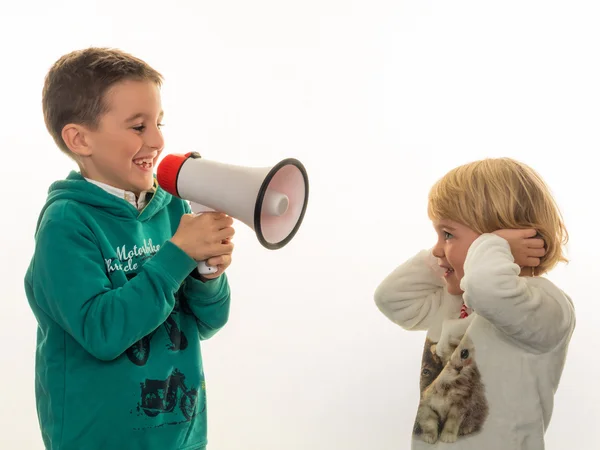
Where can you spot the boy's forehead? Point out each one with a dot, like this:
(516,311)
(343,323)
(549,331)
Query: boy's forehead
(134,99)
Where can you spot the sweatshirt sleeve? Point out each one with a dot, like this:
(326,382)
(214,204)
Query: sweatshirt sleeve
(210,302)
(70,284)
(531,311)
(411,296)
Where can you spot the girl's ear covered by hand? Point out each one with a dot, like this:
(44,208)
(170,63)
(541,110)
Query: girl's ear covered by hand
(527,248)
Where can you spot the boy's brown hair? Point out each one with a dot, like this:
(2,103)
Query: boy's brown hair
(76,84)
(497,193)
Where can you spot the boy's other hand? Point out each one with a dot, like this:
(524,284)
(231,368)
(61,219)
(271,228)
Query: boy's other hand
(222,262)
(205,236)
(527,249)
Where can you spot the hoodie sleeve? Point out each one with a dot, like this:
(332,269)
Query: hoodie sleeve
(531,311)
(412,295)
(70,285)
(209,300)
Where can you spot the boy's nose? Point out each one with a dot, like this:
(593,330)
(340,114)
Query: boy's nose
(155,140)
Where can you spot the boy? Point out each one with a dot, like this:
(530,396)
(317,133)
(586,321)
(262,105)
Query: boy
(121,309)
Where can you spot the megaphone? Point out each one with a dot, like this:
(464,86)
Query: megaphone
(271,201)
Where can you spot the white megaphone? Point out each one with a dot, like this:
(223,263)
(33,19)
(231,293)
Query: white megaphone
(271,200)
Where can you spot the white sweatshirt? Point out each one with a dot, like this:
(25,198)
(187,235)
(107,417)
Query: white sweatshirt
(511,357)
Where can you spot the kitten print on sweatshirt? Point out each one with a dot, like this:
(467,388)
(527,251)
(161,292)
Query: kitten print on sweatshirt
(452,401)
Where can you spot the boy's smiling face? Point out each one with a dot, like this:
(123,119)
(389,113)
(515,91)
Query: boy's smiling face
(122,151)
(454,240)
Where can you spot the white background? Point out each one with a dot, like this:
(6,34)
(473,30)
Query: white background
(378,100)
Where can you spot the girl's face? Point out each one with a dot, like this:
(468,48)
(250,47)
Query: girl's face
(454,240)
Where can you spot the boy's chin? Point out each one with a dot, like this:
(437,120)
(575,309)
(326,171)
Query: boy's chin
(146,184)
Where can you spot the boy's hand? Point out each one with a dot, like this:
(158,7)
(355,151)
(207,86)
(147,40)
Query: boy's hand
(525,247)
(221,262)
(205,236)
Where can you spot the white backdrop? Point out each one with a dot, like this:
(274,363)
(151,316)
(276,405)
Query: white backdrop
(378,100)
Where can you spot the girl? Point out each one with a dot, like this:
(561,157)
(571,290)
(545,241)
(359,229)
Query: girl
(497,332)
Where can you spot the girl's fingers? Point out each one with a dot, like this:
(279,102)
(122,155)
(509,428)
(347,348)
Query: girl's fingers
(535,243)
(533,262)
(536,252)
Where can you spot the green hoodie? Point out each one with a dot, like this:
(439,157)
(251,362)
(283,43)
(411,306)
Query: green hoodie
(120,320)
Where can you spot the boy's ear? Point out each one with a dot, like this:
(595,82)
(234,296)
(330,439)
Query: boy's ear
(77,139)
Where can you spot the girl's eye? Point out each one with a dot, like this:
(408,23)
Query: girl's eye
(447,235)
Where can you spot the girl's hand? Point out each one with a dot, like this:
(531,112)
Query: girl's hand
(526,248)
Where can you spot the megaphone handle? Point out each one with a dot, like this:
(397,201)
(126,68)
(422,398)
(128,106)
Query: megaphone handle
(205,269)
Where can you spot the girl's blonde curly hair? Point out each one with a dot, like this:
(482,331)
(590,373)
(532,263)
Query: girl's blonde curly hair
(498,193)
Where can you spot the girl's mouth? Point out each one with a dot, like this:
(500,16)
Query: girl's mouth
(449,271)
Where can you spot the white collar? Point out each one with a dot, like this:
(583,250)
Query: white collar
(128,196)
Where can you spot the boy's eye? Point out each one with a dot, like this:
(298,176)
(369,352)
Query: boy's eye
(447,235)
(141,128)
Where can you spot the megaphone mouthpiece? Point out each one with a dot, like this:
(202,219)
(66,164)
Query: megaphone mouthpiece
(167,172)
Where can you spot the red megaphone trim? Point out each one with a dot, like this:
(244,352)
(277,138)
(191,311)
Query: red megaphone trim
(168,170)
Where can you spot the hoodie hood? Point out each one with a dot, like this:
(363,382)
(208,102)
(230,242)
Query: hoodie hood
(78,189)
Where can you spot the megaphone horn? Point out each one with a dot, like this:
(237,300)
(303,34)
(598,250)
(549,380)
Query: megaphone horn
(270,200)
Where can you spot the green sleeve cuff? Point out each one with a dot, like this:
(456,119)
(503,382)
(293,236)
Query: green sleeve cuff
(206,290)
(173,262)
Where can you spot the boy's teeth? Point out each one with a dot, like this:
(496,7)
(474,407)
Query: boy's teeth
(143,162)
